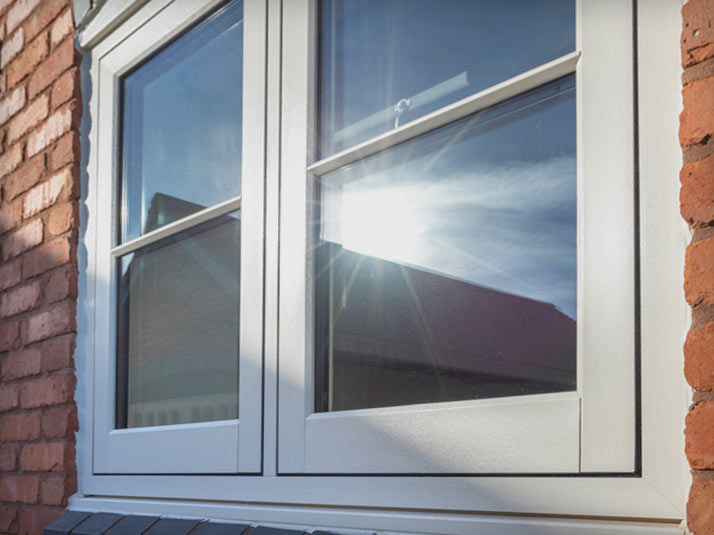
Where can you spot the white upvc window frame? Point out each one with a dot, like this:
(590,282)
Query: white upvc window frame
(229,446)
(435,504)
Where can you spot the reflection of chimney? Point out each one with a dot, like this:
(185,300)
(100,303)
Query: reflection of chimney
(165,209)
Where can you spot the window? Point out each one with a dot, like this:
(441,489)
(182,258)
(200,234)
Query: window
(327,256)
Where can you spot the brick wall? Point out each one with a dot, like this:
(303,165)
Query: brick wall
(697,204)
(39,190)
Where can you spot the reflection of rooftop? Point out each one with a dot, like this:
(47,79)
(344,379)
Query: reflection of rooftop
(165,209)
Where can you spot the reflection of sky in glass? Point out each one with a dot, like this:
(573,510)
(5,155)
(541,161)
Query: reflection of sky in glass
(182,121)
(376,52)
(490,199)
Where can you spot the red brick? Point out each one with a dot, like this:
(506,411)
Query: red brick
(30,117)
(700,513)
(32,521)
(10,274)
(20,427)
(19,489)
(9,397)
(22,364)
(10,216)
(22,240)
(699,273)
(8,516)
(58,124)
(26,176)
(65,88)
(57,353)
(28,59)
(63,218)
(696,198)
(61,285)
(61,27)
(697,120)
(62,58)
(56,490)
(48,256)
(699,358)
(10,159)
(11,47)
(58,187)
(699,433)
(43,15)
(52,390)
(67,150)
(47,457)
(697,35)
(59,319)
(59,423)
(12,104)
(9,335)
(18,12)
(8,457)
(21,299)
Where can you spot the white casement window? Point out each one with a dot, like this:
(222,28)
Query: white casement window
(334,246)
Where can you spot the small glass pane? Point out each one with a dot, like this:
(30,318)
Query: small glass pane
(181,133)
(178,327)
(446,267)
(387,62)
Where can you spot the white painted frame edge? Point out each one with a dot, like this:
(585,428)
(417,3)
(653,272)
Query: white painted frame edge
(661,491)
(138,450)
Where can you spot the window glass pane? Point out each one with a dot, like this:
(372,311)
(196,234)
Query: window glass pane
(182,126)
(178,327)
(385,62)
(446,267)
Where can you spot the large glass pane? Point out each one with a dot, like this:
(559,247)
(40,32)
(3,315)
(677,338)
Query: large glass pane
(182,126)
(446,267)
(386,62)
(178,327)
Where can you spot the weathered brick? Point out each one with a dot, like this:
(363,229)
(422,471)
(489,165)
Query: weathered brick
(62,58)
(12,104)
(59,319)
(696,122)
(43,15)
(47,457)
(699,272)
(20,427)
(9,335)
(9,398)
(57,353)
(18,12)
(10,216)
(28,59)
(65,88)
(10,274)
(57,187)
(52,390)
(58,124)
(23,239)
(61,285)
(63,218)
(26,176)
(21,299)
(8,517)
(10,159)
(700,513)
(696,197)
(22,364)
(30,117)
(61,27)
(65,151)
(59,423)
(699,433)
(19,489)
(11,47)
(56,490)
(33,520)
(697,40)
(48,256)
(8,457)
(699,358)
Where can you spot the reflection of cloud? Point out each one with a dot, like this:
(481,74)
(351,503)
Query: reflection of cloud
(509,227)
